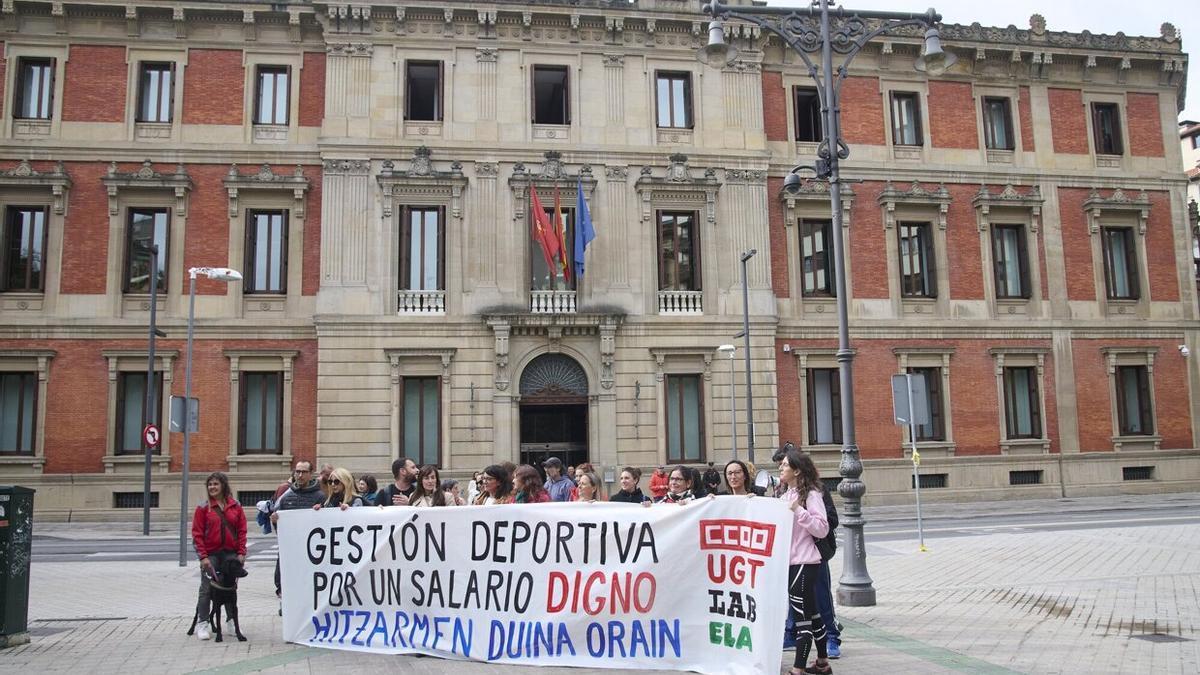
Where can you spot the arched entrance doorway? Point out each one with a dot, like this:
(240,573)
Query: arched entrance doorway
(554,411)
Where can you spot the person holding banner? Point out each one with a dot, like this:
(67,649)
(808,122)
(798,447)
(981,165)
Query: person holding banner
(805,497)
(428,490)
(495,487)
(588,489)
(404,470)
(527,483)
(737,476)
(630,493)
(679,487)
(342,492)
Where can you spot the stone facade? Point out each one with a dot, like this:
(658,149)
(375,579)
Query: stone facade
(400,151)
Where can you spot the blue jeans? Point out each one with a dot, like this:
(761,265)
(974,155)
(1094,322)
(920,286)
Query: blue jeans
(824,592)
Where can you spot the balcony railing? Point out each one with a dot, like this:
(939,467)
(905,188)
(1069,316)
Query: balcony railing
(421,302)
(680,302)
(552,302)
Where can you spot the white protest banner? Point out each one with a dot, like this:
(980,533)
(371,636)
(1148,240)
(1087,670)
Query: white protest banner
(698,587)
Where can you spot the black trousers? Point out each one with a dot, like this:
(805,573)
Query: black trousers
(802,601)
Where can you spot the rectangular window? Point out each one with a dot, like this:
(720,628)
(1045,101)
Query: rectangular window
(131,409)
(1010,259)
(1120,263)
(906,118)
(423,91)
(260,413)
(420,420)
(18,412)
(1106,128)
(271,95)
(917,269)
(997,123)
(34,89)
(1022,403)
(935,430)
(147,227)
(1134,414)
(23,265)
(266,252)
(674,91)
(808,115)
(824,406)
(679,251)
(544,278)
(155,82)
(551,104)
(815,262)
(422,248)
(685,419)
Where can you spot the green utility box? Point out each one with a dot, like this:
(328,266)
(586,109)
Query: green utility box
(16,547)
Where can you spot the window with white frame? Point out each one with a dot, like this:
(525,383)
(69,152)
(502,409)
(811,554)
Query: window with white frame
(918,262)
(1120,263)
(155,91)
(997,123)
(673,93)
(34,89)
(816,263)
(906,118)
(824,406)
(423,248)
(266,251)
(1010,261)
(271,94)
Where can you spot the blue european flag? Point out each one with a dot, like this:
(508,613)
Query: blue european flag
(584,234)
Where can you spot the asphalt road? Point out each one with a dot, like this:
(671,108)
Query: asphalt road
(896,525)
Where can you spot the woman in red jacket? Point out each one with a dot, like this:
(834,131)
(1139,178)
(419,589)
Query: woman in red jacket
(218,531)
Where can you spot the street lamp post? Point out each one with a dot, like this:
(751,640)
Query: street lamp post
(811,30)
(216,274)
(730,350)
(746,334)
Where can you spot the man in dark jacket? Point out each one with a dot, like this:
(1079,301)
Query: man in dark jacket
(302,494)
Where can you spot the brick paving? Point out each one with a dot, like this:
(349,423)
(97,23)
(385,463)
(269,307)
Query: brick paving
(1101,600)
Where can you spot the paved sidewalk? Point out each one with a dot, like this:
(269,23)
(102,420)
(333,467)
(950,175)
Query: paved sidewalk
(1079,601)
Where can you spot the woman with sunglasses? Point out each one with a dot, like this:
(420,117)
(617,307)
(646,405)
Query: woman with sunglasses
(428,491)
(342,492)
(495,487)
(679,487)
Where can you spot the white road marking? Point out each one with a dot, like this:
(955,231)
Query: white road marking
(992,528)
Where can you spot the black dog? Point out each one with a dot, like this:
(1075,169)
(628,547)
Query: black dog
(222,592)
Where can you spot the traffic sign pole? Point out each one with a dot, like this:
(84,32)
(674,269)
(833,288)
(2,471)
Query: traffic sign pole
(916,460)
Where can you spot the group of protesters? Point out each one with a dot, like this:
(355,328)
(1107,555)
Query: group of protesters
(220,523)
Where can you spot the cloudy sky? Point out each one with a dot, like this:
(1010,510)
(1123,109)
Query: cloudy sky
(1098,16)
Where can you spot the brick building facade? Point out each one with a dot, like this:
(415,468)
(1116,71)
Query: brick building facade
(1016,230)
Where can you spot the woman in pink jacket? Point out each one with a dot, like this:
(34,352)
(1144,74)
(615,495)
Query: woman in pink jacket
(804,498)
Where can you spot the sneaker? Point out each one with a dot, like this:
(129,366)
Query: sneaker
(834,649)
(203,632)
(229,630)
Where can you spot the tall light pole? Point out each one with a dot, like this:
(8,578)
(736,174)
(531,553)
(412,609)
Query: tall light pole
(812,30)
(746,256)
(216,274)
(730,350)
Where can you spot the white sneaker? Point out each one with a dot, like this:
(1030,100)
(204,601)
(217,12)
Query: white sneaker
(203,632)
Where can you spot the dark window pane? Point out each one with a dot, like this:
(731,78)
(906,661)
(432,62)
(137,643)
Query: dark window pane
(917,268)
(935,430)
(1106,128)
(674,96)
(420,420)
(131,407)
(906,119)
(271,95)
(146,228)
(423,93)
(1022,406)
(266,252)
(1010,260)
(155,92)
(18,413)
(678,264)
(1120,263)
(261,412)
(24,249)
(997,124)
(824,406)
(685,418)
(816,264)
(35,89)
(808,115)
(1134,413)
(550,102)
